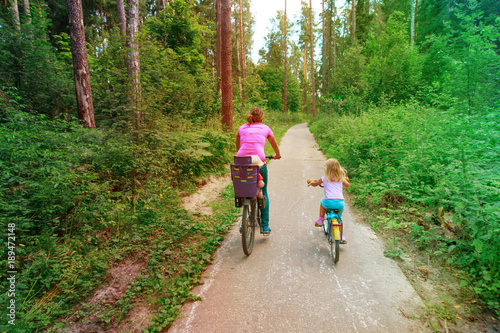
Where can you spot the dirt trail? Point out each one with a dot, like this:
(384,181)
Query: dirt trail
(289,284)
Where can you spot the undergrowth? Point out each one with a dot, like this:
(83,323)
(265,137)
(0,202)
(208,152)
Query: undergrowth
(81,202)
(435,173)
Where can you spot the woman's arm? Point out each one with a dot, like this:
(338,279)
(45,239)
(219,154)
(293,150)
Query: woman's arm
(274,144)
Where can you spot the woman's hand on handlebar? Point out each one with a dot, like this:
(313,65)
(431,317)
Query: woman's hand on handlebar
(274,157)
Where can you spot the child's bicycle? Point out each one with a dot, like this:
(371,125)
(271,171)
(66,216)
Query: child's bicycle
(245,178)
(334,230)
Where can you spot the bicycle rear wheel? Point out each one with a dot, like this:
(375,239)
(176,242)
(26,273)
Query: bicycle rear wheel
(334,242)
(248,228)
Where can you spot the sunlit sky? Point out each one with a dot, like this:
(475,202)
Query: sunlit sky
(264,10)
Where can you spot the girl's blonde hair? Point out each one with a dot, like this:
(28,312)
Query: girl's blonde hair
(333,171)
(255,116)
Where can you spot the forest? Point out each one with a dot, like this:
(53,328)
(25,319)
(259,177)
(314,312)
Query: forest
(109,111)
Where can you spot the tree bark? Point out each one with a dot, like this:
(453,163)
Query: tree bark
(313,87)
(353,21)
(80,64)
(305,62)
(27,12)
(226,66)
(239,67)
(15,14)
(133,63)
(242,43)
(122,21)
(413,6)
(286,65)
(323,48)
(242,46)
(218,45)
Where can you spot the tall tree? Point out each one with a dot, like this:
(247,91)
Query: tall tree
(312,59)
(122,21)
(27,12)
(15,14)
(218,58)
(133,62)
(413,6)
(353,36)
(226,66)
(323,47)
(84,100)
(286,60)
(242,44)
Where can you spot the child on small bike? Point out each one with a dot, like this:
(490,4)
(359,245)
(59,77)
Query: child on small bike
(333,181)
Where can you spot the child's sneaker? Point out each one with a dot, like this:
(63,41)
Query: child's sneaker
(319,222)
(343,241)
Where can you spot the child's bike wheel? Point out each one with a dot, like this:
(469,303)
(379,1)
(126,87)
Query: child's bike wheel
(247,229)
(334,244)
(326,222)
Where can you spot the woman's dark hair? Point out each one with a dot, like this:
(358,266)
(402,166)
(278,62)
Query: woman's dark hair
(255,116)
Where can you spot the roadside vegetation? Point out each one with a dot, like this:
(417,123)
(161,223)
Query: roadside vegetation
(85,202)
(407,96)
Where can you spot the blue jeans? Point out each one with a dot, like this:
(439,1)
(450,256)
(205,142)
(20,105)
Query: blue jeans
(264,213)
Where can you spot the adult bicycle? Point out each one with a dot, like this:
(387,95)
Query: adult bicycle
(245,178)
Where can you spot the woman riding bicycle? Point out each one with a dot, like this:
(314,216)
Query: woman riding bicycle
(250,140)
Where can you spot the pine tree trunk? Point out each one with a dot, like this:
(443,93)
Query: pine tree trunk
(226,63)
(84,100)
(304,88)
(240,87)
(323,48)
(242,44)
(286,66)
(218,45)
(15,14)
(313,87)
(413,5)
(27,12)
(353,21)
(329,45)
(133,63)
(122,21)
(305,62)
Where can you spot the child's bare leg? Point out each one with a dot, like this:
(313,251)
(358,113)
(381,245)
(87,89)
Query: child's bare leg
(322,211)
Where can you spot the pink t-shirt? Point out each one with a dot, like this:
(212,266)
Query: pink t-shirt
(333,190)
(253,139)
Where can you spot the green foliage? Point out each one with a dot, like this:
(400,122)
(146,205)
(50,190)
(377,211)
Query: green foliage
(274,88)
(84,200)
(394,68)
(412,156)
(29,64)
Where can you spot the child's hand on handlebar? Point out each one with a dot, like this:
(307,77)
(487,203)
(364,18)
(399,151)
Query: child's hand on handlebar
(309,181)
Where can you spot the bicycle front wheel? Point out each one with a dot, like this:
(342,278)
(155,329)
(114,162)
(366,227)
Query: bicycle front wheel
(334,244)
(325,226)
(247,229)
